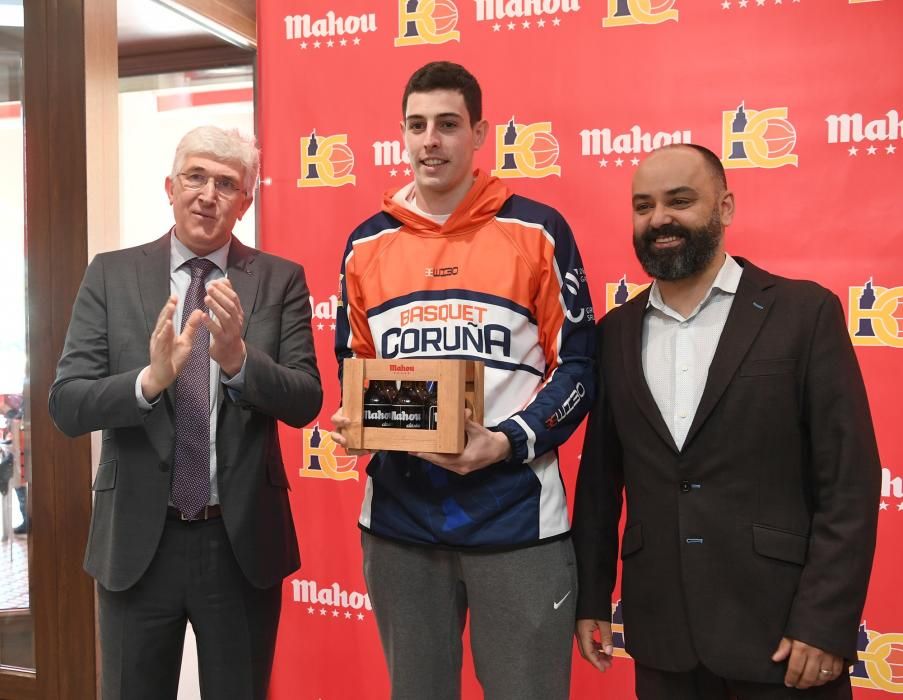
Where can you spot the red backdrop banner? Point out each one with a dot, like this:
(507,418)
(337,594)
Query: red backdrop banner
(800,98)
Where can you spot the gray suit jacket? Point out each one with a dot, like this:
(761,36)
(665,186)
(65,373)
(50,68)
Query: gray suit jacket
(763,524)
(106,347)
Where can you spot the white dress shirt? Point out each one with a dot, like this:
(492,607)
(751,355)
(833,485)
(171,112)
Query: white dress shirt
(179,279)
(677,351)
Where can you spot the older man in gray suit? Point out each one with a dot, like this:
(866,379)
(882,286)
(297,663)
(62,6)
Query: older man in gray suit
(185,352)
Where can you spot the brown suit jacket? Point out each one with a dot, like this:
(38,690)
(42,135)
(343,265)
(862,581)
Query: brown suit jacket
(763,525)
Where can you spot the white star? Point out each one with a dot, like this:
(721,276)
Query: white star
(319,326)
(510,26)
(777,2)
(393,172)
(407,172)
(743,3)
(556,22)
(343,42)
(316,44)
(883,505)
(619,162)
(496,27)
(891,149)
(360,616)
(760,3)
(726,5)
(853,150)
(310,611)
(335,613)
(900,506)
(332,326)
(540,23)
(357,41)
(871,150)
(323,611)
(347,615)
(634,161)
(525,24)
(603,163)
(330,43)
(303,44)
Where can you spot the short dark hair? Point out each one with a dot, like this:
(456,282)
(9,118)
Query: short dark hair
(712,162)
(444,75)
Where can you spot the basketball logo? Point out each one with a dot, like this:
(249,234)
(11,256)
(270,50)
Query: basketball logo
(427,22)
(529,150)
(623,13)
(758,138)
(326,161)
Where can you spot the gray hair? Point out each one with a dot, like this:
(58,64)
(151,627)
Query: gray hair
(229,146)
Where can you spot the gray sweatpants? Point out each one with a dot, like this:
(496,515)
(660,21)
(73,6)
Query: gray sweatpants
(522,607)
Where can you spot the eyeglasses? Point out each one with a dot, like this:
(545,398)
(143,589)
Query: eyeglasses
(224,186)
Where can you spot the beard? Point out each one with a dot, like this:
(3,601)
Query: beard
(698,249)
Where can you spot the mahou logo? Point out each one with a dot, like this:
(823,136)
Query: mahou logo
(306,27)
(427,22)
(625,13)
(525,150)
(326,161)
(597,142)
(854,128)
(331,601)
(488,10)
(757,139)
(876,315)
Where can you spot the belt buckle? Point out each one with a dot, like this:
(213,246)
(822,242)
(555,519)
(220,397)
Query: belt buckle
(201,516)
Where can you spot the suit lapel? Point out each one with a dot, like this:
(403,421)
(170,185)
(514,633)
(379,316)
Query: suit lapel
(153,285)
(632,352)
(752,303)
(153,279)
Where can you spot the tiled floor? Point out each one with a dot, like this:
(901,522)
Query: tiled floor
(14,572)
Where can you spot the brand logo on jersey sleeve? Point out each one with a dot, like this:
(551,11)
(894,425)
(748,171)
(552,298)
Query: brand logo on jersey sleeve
(624,13)
(427,22)
(525,150)
(320,460)
(876,315)
(326,161)
(757,139)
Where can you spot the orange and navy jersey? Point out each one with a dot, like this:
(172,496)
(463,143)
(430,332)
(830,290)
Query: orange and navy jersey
(502,282)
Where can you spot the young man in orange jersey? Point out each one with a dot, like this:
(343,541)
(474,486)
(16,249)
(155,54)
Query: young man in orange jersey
(485,530)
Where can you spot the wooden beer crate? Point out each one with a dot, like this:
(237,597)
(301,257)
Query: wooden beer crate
(458,383)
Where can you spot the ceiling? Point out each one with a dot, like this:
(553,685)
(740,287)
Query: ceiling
(154,38)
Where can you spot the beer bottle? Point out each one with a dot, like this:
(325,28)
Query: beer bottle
(378,405)
(408,408)
(430,405)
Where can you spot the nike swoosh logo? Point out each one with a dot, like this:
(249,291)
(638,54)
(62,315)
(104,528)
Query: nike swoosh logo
(558,604)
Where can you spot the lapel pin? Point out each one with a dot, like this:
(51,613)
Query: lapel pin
(758,305)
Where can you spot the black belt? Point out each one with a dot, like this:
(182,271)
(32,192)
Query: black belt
(208,513)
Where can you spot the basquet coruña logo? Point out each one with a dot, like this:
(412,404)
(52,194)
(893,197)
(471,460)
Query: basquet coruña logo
(326,161)
(320,461)
(525,150)
(623,13)
(762,138)
(617,293)
(427,22)
(880,664)
(876,315)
